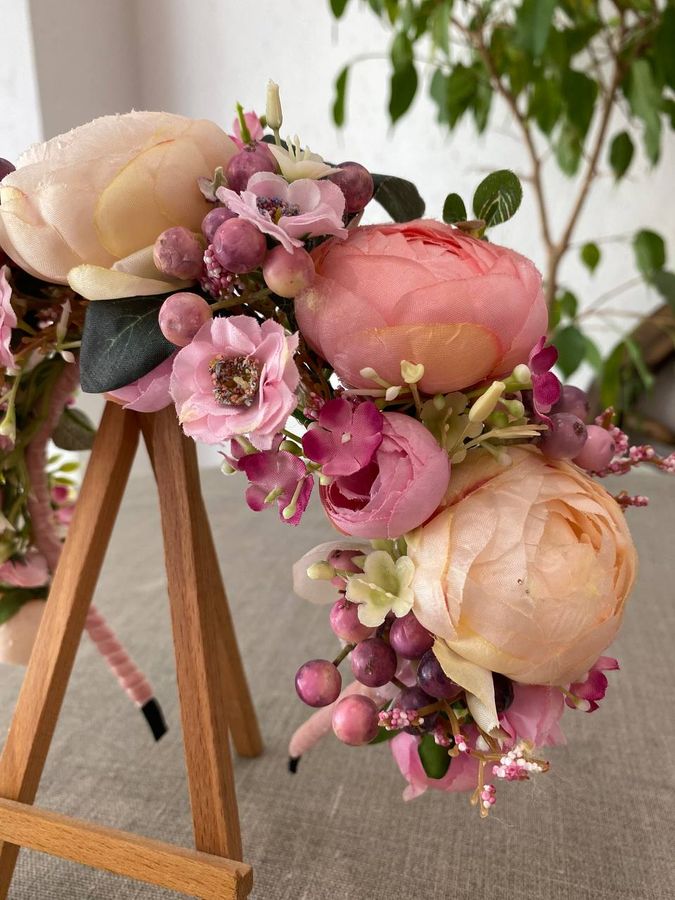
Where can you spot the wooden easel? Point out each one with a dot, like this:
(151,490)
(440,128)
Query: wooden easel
(214,696)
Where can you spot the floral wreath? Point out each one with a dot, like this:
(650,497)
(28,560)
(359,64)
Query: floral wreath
(479,571)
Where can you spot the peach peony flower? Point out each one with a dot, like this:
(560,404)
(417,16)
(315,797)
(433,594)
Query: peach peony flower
(525,572)
(81,206)
(423,292)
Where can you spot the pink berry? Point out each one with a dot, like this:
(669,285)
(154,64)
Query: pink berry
(565,437)
(409,638)
(251,158)
(181,316)
(318,682)
(214,219)
(238,246)
(286,274)
(356,183)
(572,400)
(344,621)
(355,720)
(598,451)
(178,254)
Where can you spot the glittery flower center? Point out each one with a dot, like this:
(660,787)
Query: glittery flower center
(275,207)
(235,380)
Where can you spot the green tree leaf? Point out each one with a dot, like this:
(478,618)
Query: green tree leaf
(579,93)
(121,342)
(610,379)
(383,736)
(533,22)
(638,360)
(650,252)
(644,98)
(568,149)
(434,758)
(545,104)
(568,304)
(338,7)
(590,256)
(664,282)
(454,209)
(74,430)
(593,355)
(621,154)
(571,347)
(400,198)
(460,86)
(497,197)
(339,101)
(403,87)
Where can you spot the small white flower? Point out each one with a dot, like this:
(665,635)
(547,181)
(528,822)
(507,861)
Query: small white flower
(297,162)
(383,587)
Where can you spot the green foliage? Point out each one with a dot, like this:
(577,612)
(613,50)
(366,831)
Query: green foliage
(590,256)
(400,198)
(497,197)
(434,758)
(621,152)
(74,430)
(454,209)
(339,102)
(650,252)
(571,346)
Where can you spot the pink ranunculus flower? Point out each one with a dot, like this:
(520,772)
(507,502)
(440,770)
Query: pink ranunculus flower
(279,475)
(585,693)
(252,123)
(398,490)
(7,320)
(424,292)
(345,436)
(149,393)
(526,570)
(545,385)
(288,212)
(533,716)
(236,377)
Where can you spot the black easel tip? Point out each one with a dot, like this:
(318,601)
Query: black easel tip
(155,718)
(293,763)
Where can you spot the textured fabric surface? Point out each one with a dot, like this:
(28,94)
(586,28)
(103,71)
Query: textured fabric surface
(600,825)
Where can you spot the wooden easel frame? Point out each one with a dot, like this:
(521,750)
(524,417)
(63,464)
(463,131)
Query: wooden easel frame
(214,696)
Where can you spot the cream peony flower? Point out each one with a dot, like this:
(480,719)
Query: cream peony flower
(86,207)
(526,572)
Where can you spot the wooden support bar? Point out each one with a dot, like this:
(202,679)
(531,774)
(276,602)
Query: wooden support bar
(155,862)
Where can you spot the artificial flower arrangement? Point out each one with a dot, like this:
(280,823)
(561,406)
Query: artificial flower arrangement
(479,571)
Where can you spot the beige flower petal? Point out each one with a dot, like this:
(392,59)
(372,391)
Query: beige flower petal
(474,679)
(98,283)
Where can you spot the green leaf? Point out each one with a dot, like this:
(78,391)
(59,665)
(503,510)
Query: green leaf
(340,93)
(568,149)
(454,209)
(650,252)
(593,355)
(74,430)
(121,342)
(460,86)
(636,357)
(13,598)
(568,304)
(621,154)
(497,197)
(545,104)
(571,347)
(579,93)
(590,256)
(439,27)
(383,736)
(434,758)
(338,7)
(401,51)
(664,282)
(533,22)
(403,87)
(610,379)
(400,198)
(644,98)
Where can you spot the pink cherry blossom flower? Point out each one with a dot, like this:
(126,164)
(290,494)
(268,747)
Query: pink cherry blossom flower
(7,320)
(281,476)
(345,436)
(288,212)
(149,393)
(585,694)
(545,385)
(252,123)
(236,377)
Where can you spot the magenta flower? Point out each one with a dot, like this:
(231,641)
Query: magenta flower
(281,476)
(252,123)
(7,320)
(236,377)
(545,385)
(288,212)
(149,393)
(585,694)
(345,436)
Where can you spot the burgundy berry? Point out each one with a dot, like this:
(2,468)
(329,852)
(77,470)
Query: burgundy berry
(373,662)
(252,158)
(318,682)
(432,679)
(409,638)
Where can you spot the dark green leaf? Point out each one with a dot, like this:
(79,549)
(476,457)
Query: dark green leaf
(481,103)
(533,22)
(579,93)
(338,7)
(497,197)
(403,87)
(460,87)
(545,104)
(400,198)
(645,99)
(438,91)
(74,430)
(568,149)
(650,252)
(571,347)
(610,380)
(590,256)
(383,736)
(434,758)
(568,304)
(663,46)
(401,51)
(621,154)
(439,27)
(339,102)
(13,598)
(636,357)
(593,355)
(664,282)
(454,209)
(121,342)
(554,314)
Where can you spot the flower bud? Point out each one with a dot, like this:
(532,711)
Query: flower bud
(178,254)
(485,404)
(273,112)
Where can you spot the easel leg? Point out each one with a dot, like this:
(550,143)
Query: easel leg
(46,678)
(242,718)
(211,684)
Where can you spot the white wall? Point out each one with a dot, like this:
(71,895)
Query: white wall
(20,120)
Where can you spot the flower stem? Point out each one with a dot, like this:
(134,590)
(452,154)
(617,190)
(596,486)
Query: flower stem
(343,654)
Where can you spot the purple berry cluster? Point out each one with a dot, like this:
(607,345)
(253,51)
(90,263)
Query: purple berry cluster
(591,447)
